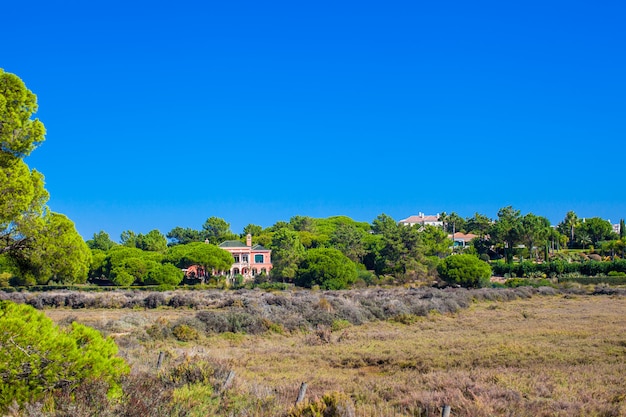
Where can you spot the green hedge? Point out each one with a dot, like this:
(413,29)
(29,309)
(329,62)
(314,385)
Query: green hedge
(558,268)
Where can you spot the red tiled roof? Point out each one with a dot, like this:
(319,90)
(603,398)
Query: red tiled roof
(420,219)
(463,236)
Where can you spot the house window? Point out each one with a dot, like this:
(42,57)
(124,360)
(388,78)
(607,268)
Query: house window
(244,258)
(255,272)
(258,258)
(236,258)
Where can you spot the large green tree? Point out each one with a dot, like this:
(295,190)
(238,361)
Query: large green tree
(350,240)
(568,227)
(56,253)
(41,244)
(400,251)
(505,231)
(287,252)
(209,257)
(479,225)
(597,229)
(183,235)
(22,189)
(534,232)
(217,230)
(101,241)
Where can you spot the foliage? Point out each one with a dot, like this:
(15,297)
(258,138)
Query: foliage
(182,236)
(207,255)
(349,239)
(435,241)
(506,230)
(164,274)
(596,230)
(399,250)
(184,332)
(287,253)
(559,268)
(38,359)
(334,404)
(101,241)
(126,265)
(464,270)
(326,267)
(153,241)
(34,238)
(217,230)
(56,253)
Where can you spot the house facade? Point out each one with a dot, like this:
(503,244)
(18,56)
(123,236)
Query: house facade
(249,260)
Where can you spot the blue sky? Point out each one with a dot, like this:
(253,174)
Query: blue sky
(162,114)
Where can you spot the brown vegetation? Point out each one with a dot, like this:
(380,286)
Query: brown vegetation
(522,352)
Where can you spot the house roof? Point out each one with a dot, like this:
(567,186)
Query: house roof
(240,244)
(463,236)
(232,244)
(421,219)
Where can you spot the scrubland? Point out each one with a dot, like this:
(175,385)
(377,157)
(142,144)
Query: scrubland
(371,352)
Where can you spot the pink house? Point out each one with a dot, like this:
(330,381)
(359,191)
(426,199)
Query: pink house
(249,260)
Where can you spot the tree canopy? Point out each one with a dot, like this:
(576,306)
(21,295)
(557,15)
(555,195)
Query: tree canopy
(326,267)
(40,244)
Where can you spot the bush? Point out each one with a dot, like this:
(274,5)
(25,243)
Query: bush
(326,267)
(335,404)
(184,333)
(464,270)
(38,359)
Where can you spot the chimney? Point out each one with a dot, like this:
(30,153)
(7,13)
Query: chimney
(249,240)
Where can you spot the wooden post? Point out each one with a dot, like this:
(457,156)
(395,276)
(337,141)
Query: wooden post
(301,393)
(160,360)
(229,380)
(445,411)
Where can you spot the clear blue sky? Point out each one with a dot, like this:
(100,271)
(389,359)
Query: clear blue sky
(162,114)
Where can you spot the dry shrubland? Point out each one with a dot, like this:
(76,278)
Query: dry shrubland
(370,352)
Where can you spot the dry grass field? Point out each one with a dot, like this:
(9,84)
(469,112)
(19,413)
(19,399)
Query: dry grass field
(547,355)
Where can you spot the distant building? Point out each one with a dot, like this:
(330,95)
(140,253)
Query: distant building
(422,220)
(249,260)
(462,240)
(616,228)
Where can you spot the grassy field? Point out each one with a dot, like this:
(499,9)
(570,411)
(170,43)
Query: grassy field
(559,355)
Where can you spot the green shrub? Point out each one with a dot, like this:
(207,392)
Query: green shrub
(185,333)
(339,324)
(327,268)
(39,359)
(464,270)
(335,404)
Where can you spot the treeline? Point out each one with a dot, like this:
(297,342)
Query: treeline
(338,252)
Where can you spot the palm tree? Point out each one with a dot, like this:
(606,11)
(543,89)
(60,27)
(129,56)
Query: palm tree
(584,238)
(571,221)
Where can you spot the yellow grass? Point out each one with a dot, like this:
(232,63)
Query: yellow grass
(544,356)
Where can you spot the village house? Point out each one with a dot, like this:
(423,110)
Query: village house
(422,220)
(249,260)
(461,240)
